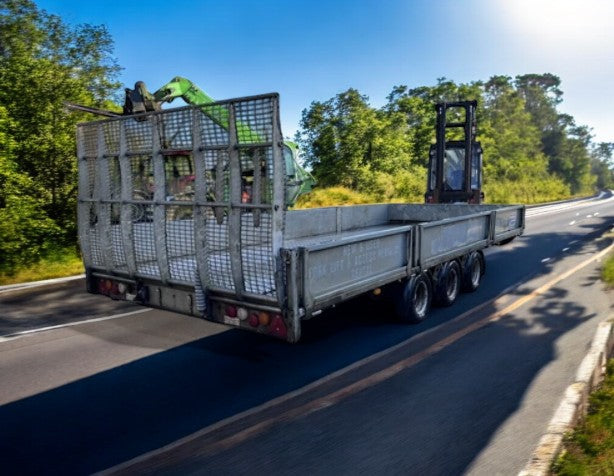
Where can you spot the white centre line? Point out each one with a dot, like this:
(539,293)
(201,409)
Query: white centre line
(573,222)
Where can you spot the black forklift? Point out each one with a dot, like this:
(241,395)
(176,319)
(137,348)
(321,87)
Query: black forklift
(455,165)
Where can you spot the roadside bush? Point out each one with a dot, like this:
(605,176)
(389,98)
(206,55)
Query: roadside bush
(526,191)
(333,196)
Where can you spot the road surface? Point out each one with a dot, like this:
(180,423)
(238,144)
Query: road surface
(113,387)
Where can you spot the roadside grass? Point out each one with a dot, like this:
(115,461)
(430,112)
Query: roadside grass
(589,450)
(607,272)
(60,263)
(501,193)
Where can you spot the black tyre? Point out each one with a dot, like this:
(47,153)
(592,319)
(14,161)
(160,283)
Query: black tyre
(448,284)
(473,271)
(506,241)
(414,300)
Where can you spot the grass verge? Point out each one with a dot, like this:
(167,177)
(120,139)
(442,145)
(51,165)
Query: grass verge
(607,272)
(589,450)
(61,263)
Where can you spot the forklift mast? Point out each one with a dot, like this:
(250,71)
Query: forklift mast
(455,166)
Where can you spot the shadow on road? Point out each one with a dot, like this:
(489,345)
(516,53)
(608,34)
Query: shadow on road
(115,415)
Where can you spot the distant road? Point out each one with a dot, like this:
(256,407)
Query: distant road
(468,391)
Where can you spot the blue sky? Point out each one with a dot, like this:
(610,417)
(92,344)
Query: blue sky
(312,50)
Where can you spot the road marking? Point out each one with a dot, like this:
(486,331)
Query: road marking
(596,213)
(17,335)
(573,222)
(589,216)
(567,206)
(352,389)
(35,284)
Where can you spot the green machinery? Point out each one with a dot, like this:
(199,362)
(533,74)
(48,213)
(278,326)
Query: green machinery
(140,100)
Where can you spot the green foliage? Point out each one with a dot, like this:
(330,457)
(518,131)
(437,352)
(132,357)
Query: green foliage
(590,449)
(334,196)
(344,140)
(526,190)
(601,165)
(43,63)
(57,263)
(607,272)
(532,153)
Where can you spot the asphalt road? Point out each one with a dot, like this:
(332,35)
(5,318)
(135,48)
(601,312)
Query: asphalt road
(468,391)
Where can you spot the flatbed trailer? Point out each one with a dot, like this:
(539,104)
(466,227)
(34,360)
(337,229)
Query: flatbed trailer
(184,210)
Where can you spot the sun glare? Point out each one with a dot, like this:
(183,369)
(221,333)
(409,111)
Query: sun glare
(562,23)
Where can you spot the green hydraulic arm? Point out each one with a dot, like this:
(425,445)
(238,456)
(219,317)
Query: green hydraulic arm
(138,100)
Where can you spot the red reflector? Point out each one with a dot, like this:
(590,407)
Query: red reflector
(278,327)
(231,311)
(253,319)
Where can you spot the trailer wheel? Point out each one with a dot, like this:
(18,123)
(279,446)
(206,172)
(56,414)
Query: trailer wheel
(473,271)
(448,284)
(506,241)
(415,299)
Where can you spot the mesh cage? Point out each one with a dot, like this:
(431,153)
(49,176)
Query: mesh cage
(159,190)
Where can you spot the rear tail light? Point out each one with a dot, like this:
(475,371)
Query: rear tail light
(260,321)
(278,327)
(254,320)
(263,318)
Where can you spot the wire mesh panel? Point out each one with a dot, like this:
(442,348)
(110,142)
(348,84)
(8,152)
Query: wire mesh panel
(144,247)
(94,241)
(88,141)
(111,137)
(138,194)
(238,175)
(175,129)
(254,121)
(139,134)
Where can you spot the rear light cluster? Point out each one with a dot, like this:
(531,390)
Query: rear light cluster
(114,290)
(111,288)
(262,321)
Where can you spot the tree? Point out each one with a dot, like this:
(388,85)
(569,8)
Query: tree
(43,63)
(565,144)
(25,231)
(417,105)
(345,140)
(602,166)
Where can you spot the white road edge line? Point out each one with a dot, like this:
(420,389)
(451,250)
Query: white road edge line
(36,284)
(17,335)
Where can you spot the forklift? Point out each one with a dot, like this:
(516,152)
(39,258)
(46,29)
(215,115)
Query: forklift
(455,165)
